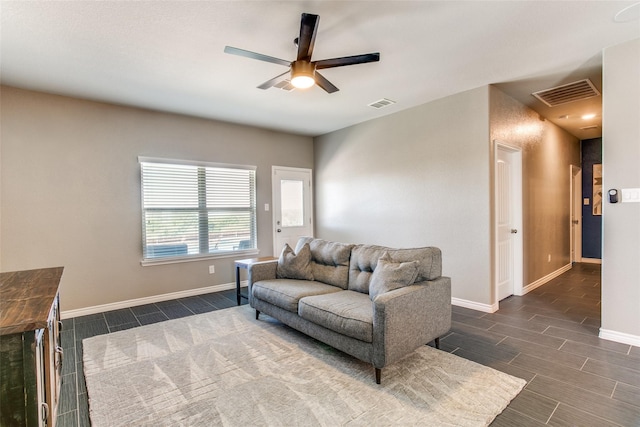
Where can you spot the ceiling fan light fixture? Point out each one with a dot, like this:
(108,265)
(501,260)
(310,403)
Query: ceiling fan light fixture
(303,69)
(302,74)
(302,82)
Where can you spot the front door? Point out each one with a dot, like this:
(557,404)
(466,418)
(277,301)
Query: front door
(292,206)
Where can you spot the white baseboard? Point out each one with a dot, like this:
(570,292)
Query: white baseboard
(620,337)
(68,314)
(492,308)
(487,308)
(591,260)
(533,285)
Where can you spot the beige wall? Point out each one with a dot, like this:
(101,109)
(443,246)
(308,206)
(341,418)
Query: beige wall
(419,177)
(423,177)
(71,190)
(620,169)
(547,155)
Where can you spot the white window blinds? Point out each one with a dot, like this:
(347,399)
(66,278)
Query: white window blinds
(192,209)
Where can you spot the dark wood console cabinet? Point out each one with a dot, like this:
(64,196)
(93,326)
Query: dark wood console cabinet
(30,348)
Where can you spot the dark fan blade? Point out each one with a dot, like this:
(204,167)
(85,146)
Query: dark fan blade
(325,84)
(273,81)
(347,60)
(308,29)
(254,55)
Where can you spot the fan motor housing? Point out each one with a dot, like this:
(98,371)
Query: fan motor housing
(302,68)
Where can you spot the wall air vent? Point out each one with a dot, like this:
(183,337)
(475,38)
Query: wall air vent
(381,103)
(576,91)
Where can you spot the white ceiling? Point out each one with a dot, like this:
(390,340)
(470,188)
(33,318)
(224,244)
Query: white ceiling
(168,55)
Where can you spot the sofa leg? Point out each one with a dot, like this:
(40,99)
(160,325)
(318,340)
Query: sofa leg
(257,314)
(378,375)
(437,341)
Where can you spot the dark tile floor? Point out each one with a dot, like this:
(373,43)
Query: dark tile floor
(548,337)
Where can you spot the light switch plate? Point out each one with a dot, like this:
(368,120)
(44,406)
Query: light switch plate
(630,195)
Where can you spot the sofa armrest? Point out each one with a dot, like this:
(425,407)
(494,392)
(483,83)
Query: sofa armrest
(407,318)
(261,271)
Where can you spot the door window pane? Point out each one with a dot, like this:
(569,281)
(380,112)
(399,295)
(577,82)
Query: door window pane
(292,206)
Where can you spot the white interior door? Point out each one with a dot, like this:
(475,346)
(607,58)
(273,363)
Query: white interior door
(576,214)
(508,216)
(292,206)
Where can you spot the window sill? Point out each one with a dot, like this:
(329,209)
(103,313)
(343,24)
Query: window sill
(196,258)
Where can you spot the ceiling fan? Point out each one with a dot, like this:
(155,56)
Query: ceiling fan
(303,71)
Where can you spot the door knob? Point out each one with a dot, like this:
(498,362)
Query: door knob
(278,230)
(514,231)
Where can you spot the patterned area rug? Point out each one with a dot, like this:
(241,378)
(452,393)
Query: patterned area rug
(226,368)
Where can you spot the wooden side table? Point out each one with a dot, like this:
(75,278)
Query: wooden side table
(245,263)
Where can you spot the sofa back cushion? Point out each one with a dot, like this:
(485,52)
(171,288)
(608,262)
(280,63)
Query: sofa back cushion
(364,259)
(329,261)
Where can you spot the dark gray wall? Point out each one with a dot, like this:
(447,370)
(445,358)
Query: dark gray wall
(591,224)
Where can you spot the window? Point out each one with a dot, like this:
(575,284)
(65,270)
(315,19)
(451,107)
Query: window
(193,209)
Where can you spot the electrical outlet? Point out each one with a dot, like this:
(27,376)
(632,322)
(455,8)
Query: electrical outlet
(212,269)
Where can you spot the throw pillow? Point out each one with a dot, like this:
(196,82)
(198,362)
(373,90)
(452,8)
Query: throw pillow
(389,275)
(295,266)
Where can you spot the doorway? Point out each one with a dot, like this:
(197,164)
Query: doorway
(292,191)
(508,248)
(576,213)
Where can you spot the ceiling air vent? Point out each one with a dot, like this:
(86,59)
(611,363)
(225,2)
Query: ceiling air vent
(592,127)
(570,92)
(381,103)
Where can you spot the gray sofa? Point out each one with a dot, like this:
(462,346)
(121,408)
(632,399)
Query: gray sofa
(328,297)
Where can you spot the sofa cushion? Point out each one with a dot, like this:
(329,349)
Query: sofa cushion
(364,259)
(348,313)
(285,293)
(390,275)
(329,261)
(294,265)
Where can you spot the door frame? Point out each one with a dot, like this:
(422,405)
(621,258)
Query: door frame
(516,204)
(576,201)
(274,189)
